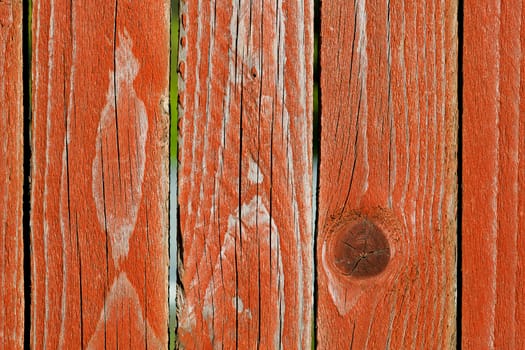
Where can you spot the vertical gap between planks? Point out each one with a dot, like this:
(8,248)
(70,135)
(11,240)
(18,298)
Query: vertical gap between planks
(173,207)
(459,277)
(316,153)
(26,77)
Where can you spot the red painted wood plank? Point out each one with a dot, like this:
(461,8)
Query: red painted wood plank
(11,177)
(245,191)
(493,176)
(387,200)
(99,173)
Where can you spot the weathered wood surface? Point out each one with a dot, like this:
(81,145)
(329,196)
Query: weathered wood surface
(245,97)
(493,303)
(99,172)
(387,202)
(11,177)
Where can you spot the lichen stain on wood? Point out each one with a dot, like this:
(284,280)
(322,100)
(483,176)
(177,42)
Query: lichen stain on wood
(245,175)
(388,140)
(11,177)
(99,174)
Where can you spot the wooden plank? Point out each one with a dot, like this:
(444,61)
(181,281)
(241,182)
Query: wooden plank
(387,202)
(99,172)
(245,101)
(493,246)
(11,177)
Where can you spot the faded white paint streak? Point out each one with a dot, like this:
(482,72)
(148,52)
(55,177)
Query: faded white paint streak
(363,75)
(196,115)
(296,228)
(392,167)
(64,209)
(50,62)
(120,157)
(401,54)
(64,228)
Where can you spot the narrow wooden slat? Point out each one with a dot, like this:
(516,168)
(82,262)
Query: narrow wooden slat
(99,172)
(387,202)
(493,224)
(245,174)
(11,177)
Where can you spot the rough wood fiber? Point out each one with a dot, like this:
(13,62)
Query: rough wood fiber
(388,169)
(245,82)
(493,176)
(99,172)
(11,177)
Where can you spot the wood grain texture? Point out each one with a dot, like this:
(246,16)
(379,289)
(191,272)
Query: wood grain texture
(387,169)
(493,245)
(99,172)
(245,102)
(11,177)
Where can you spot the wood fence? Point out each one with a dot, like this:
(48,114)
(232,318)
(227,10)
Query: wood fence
(411,237)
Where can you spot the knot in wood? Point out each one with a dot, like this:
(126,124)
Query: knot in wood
(361,251)
(253,72)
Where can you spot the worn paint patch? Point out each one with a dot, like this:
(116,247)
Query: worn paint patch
(254,173)
(238,304)
(123,313)
(118,166)
(254,214)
